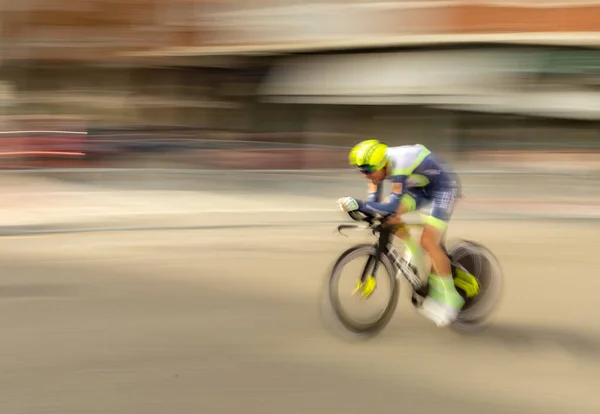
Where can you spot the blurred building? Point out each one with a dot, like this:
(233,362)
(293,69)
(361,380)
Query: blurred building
(467,75)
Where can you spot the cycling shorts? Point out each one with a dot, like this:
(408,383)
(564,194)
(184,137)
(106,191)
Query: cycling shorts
(441,201)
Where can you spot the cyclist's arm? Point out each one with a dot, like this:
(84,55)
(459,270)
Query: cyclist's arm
(374,192)
(393,203)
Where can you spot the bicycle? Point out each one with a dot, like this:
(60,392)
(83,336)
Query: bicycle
(476,272)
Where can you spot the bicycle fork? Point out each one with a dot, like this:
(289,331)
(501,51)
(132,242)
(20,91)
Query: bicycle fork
(368,282)
(381,249)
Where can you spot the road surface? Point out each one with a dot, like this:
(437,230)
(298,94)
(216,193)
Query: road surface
(227,321)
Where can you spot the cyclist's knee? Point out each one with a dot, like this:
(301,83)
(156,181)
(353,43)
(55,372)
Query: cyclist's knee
(408,203)
(400,230)
(433,231)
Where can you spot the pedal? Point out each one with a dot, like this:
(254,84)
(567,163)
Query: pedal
(418,296)
(417,299)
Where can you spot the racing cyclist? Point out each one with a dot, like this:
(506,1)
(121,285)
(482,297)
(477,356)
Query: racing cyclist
(418,177)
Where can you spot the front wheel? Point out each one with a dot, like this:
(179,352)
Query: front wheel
(481,263)
(376,324)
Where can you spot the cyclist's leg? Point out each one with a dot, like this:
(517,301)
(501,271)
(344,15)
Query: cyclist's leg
(443,301)
(412,200)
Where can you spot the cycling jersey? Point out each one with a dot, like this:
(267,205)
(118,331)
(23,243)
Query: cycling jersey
(417,176)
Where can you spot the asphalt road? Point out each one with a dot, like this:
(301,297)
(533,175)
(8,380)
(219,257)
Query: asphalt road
(206,321)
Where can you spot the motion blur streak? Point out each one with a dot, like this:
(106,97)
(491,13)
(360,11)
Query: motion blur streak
(169,171)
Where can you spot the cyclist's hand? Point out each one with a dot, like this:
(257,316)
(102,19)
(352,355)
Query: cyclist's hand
(348,204)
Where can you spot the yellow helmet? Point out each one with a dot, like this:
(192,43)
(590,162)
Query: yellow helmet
(369,155)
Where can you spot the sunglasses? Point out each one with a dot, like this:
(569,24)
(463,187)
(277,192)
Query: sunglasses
(366,169)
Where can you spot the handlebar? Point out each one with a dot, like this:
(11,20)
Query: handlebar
(374,222)
(371,219)
(357,216)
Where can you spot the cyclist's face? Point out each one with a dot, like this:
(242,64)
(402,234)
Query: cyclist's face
(376,176)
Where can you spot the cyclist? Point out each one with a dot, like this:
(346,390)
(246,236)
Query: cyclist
(418,177)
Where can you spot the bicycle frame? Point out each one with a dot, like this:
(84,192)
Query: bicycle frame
(385,246)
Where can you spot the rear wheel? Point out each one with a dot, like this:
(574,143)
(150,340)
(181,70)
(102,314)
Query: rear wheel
(371,325)
(481,263)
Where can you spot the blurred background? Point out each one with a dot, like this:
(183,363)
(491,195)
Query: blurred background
(290,85)
(101,82)
(221,128)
